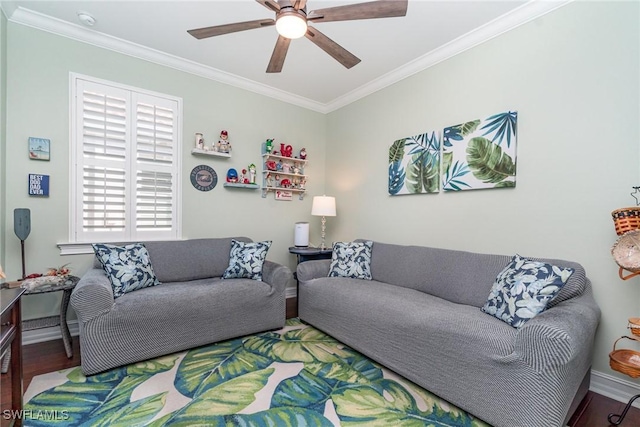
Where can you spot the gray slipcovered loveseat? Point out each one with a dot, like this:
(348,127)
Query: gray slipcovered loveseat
(420,316)
(191,307)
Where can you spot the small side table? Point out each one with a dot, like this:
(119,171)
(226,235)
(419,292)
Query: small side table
(45,322)
(309,254)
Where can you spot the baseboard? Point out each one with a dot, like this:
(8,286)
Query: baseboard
(291,293)
(614,388)
(48,334)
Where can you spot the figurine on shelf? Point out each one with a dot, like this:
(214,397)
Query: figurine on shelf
(224,146)
(269,180)
(286,168)
(271,165)
(268,146)
(232,175)
(286,150)
(303,182)
(295,182)
(285,183)
(243,177)
(252,173)
(199,141)
(303,154)
(296,168)
(279,165)
(277,181)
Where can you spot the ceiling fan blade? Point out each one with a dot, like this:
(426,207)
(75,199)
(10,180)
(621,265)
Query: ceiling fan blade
(339,53)
(299,4)
(218,30)
(278,55)
(272,5)
(369,10)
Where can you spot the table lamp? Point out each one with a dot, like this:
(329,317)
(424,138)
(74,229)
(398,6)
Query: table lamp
(323,206)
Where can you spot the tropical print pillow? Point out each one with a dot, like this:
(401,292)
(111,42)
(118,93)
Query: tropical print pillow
(128,267)
(246,259)
(523,289)
(351,260)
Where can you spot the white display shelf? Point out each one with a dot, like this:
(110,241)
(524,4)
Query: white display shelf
(199,151)
(239,185)
(290,159)
(299,175)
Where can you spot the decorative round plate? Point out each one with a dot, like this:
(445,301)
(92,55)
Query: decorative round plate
(204,178)
(626,251)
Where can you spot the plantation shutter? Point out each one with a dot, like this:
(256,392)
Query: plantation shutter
(126,165)
(155,131)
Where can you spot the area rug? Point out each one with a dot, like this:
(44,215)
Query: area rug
(297,376)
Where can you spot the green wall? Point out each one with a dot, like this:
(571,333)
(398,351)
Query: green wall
(39,64)
(572,75)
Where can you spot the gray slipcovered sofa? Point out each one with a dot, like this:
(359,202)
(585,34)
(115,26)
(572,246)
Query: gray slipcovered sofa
(191,307)
(420,316)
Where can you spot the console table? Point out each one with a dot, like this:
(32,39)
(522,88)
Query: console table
(11,341)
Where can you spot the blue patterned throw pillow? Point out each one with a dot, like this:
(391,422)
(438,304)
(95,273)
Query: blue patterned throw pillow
(523,289)
(246,259)
(351,260)
(128,267)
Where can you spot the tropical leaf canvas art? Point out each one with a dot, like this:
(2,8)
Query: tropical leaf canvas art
(414,165)
(480,154)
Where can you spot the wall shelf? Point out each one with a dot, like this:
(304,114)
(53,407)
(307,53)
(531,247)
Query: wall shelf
(280,169)
(289,159)
(198,151)
(239,185)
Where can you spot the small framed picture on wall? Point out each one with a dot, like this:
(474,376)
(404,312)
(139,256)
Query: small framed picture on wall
(39,148)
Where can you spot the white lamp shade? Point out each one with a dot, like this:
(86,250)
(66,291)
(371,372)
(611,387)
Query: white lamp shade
(323,206)
(291,25)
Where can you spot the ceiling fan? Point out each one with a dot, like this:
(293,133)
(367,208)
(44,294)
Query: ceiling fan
(292,21)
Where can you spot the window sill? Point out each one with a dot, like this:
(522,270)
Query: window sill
(85,248)
(75,248)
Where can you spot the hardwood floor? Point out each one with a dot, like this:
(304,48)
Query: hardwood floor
(50,356)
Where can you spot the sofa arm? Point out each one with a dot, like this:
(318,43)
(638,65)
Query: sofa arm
(313,269)
(277,275)
(560,335)
(92,296)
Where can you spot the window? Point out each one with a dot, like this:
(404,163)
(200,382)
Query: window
(125,163)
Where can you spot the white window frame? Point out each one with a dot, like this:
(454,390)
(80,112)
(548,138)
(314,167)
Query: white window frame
(79,240)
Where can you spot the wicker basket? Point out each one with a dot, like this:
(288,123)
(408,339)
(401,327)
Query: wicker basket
(626,251)
(626,219)
(634,325)
(624,360)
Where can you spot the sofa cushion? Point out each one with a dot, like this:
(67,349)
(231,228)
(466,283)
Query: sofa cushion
(523,289)
(351,260)
(246,260)
(128,267)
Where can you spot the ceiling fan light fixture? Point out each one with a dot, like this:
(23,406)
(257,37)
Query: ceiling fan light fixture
(291,24)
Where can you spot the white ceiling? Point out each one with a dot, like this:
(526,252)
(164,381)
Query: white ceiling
(390,48)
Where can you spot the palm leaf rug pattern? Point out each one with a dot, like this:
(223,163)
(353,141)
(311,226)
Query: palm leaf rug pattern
(296,376)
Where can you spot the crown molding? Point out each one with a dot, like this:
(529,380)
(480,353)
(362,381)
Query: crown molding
(76,32)
(519,16)
(502,24)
